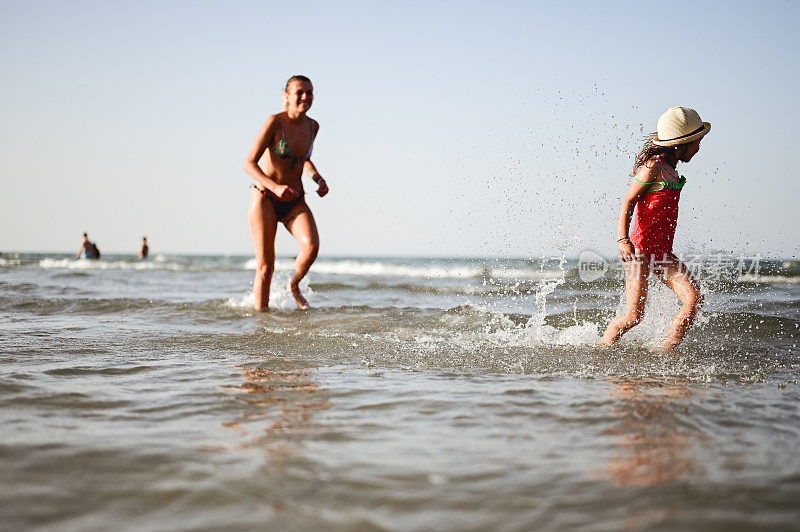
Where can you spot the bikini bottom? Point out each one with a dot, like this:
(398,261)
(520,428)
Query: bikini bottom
(282,208)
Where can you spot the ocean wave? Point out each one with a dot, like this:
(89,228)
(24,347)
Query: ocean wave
(388,269)
(86,264)
(732,343)
(378,268)
(526,274)
(489,274)
(473,324)
(157,264)
(769,279)
(740,348)
(82,305)
(344,267)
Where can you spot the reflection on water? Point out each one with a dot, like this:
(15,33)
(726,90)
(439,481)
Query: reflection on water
(276,418)
(654,448)
(278,411)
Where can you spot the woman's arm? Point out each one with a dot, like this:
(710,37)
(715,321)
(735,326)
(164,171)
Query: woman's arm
(311,171)
(646,174)
(263,140)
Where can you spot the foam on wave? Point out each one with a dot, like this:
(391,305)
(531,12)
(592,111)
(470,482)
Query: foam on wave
(489,273)
(377,268)
(769,279)
(86,264)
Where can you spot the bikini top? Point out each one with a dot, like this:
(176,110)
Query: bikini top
(655,186)
(281,148)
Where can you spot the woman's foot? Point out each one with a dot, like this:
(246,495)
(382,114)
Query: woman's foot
(294,289)
(671,348)
(670,343)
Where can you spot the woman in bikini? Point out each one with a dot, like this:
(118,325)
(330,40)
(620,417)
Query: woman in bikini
(287,138)
(655,191)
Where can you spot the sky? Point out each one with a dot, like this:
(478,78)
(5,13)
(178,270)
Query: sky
(488,129)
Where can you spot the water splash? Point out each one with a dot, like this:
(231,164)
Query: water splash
(279,296)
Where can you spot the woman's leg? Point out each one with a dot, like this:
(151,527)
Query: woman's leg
(679,279)
(304,230)
(636,274)
(263,226)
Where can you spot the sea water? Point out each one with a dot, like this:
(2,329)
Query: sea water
(416,394)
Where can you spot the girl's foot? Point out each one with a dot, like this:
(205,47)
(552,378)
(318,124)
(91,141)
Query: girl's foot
(294,289)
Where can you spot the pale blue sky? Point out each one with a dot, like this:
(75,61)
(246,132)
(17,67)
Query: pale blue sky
(447,128)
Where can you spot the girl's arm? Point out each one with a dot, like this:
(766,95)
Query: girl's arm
(646,174)
(263,140)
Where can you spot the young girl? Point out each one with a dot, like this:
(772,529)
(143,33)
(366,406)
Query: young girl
(655,191)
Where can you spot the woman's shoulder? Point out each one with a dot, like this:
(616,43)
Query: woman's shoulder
(272,124)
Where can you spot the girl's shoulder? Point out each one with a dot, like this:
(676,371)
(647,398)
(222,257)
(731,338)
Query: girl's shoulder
(649,171)
(653,162)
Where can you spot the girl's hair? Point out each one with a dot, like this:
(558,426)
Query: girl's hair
(649,150)
(298,77)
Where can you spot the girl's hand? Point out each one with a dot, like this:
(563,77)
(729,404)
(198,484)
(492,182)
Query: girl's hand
(323,187)
(626,251)
(285,193)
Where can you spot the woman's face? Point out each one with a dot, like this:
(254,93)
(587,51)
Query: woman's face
(690,151)
(299,95)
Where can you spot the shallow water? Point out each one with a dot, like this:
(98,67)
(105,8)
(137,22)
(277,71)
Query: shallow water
(416,394)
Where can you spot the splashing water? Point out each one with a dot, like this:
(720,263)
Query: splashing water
(279,296)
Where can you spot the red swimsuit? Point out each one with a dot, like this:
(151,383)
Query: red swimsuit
(656,217)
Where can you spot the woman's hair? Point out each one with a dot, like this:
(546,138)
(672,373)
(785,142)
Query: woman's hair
(649,150)
(297,77)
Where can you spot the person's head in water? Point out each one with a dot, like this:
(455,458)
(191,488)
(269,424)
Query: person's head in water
(680,130)
(298,95)
(144,240)
(85,237)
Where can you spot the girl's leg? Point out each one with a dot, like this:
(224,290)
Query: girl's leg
(304,230)
(679,279)
(263,226)
(636,274)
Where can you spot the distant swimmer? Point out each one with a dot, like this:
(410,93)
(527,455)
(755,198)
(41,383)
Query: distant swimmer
(144,250)
(287,139)
(654,192)
(88,250)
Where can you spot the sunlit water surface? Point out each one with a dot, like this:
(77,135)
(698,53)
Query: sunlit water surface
(417,394)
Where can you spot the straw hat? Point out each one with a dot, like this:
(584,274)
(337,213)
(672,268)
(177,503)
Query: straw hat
(680,125)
